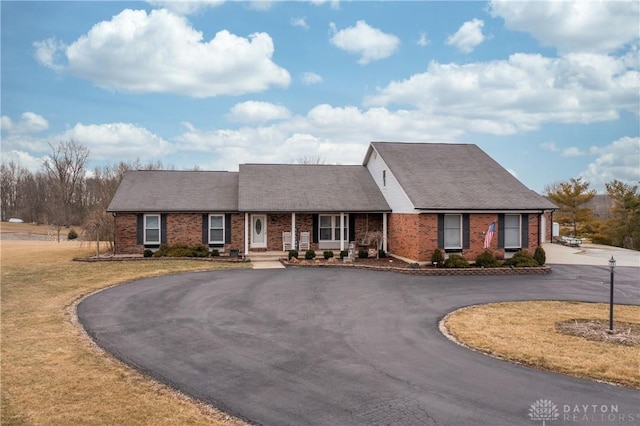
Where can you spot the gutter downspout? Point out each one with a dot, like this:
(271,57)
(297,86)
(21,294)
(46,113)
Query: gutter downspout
(384,232)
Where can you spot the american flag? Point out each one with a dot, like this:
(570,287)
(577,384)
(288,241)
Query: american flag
(489,236)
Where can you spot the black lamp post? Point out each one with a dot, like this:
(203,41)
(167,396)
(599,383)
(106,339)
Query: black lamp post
(612,266)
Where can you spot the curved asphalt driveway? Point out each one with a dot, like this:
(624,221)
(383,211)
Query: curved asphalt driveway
(333,346)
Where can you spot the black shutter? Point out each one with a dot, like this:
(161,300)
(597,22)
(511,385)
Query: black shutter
(315,230)
(205,229)
(140,229)
(441,230)
(163,228)
(465,231)
(352,227)
(227,228)
(525,230)
(501,230)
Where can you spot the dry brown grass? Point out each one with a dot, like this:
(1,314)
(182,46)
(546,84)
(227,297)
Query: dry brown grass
(50,372)
(525,332)
(27,228)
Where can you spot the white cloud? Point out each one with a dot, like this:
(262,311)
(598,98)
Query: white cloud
(337,135)
(23,159)
(573,151)
(257,112)
(549,146)
(311,78)
(335,4)
(569,26)
(423,40)
(468,36)
(261,5)
(30,122)
(521,93)
(47,52)
(299,22)
(620,160)
(185,7)
(160,52)
(117,140)
(368,42)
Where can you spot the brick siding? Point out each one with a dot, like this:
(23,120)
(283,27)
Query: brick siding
(415,236)
(182,228)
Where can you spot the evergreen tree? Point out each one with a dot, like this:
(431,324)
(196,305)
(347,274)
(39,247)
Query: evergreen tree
(571,197)
(624,228)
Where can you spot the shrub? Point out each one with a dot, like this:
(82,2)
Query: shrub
(310,254)
(487,260)
(199,250)
(293,254)
(162,251)
(414,265)
(540,256)
(72,235)
(328,254)
(147,253)
(456,261)
(215,253)
(363,254)
(344,253)
(182,250)
(522,259)
(437,257)
(382,254)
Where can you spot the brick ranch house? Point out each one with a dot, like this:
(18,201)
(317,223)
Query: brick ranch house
(406,198)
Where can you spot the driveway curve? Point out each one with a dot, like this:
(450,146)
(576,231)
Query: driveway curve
(335,346)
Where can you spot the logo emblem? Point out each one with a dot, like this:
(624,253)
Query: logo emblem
(545,410)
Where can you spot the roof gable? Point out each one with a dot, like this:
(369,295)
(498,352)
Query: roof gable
(439,176)
(308,188)
(176,191)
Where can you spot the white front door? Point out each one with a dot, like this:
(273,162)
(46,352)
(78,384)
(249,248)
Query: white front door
(259,231)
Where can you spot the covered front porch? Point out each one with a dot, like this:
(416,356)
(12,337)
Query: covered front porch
(317,231)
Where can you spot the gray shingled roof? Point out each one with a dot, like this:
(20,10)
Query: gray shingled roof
(442,176)
(308,188)
(176,191)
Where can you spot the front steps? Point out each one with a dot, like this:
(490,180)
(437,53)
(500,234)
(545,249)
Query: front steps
(266,259)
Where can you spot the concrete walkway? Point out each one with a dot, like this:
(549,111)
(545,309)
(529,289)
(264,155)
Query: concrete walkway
(270,264)
(590,254)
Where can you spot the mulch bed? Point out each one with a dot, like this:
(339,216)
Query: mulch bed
(397,265)
(624,333)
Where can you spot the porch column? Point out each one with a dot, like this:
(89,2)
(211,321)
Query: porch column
(384,232)
(246,234)
(341,231)
(293,231)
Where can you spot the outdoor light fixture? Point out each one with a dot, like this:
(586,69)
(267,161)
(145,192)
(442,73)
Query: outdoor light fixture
(612,266)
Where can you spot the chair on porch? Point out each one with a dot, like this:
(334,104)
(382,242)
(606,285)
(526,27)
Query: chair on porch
(303,244)
(286,241)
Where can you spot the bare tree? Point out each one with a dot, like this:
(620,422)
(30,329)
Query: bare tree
(310,160)
(65,172)
(8,189)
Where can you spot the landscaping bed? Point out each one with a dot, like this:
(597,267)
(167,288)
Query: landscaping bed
(397,265)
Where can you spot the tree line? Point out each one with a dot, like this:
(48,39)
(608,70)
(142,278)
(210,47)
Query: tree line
(63,193)
(620,227)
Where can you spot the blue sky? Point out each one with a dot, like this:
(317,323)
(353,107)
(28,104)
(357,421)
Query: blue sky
(551,90)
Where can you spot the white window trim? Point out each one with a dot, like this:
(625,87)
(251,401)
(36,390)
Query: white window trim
(335,225)
(159,228)
(209,229)
(519,245)
(449,247)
